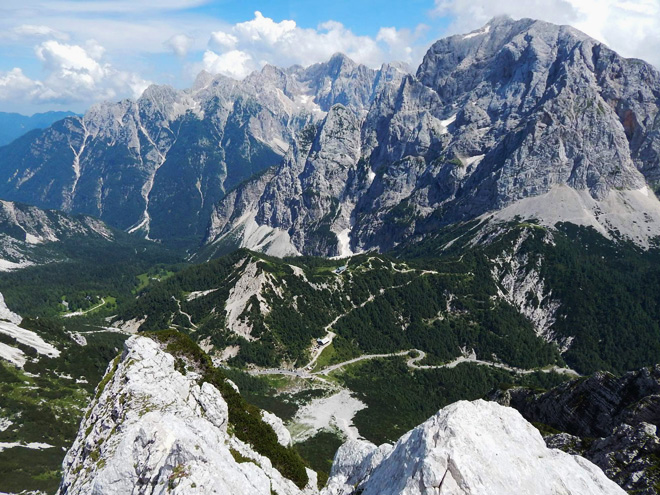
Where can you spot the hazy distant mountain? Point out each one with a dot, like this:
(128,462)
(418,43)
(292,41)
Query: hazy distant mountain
(14,125)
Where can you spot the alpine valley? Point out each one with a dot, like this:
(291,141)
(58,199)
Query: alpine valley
(342,280)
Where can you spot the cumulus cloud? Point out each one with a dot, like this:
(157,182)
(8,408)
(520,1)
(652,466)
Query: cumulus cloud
(72,73)
(77,72)
(403,44)
(631,27)
(247,46)
(180,44)
(14,85)
(223,41)
(234,63)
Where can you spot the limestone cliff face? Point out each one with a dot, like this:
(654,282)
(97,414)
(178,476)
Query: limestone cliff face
(28,233)
(362,158)
(157,166)
(611,421)
(512,112)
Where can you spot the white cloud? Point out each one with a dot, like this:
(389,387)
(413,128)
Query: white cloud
(630,27)
(403,44)
(72,73)
(16,85)
(234,63)
(247,46)
(38,31)
(180,44)
(223,41)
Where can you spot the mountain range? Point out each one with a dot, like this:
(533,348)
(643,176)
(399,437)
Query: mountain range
(352,250)
(524,118)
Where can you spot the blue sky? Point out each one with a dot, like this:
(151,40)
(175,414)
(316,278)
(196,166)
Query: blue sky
(362,17)
(69,54)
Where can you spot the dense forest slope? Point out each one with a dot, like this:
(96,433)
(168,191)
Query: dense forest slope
(525,295)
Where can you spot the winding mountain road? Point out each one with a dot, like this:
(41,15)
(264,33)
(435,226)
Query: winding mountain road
(411,363)
(80,313)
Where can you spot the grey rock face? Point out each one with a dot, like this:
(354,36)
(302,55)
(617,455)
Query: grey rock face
(505,113)
(611,421)
(462,450)
(159,165)
(594,406)
(151,429)
(363,158)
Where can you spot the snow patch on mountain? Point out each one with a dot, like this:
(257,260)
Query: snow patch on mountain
(344,243)
(446,123)
(479,32)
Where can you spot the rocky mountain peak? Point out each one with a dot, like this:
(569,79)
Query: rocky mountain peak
(340,64)
(152,425)
(516,111)
(203,79)
(502,52)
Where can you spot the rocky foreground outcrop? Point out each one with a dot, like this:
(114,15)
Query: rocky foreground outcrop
(609,420)
(153,429)
(466,448)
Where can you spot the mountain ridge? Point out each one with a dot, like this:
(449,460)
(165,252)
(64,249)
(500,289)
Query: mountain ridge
(123,162)
(14,125)
(363,158)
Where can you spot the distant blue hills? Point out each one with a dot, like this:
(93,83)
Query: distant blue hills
(14,125)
